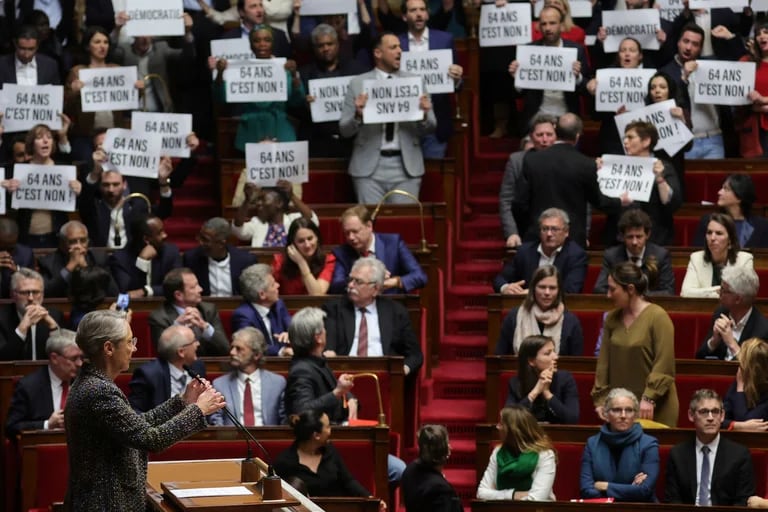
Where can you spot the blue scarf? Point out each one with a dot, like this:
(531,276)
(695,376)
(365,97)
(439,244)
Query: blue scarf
(605,467)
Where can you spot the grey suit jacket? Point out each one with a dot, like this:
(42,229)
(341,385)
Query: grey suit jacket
(272,403)
(367,147)
(164,316)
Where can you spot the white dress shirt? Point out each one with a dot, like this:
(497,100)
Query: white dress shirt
(255,378)
(699,458)
(220,277)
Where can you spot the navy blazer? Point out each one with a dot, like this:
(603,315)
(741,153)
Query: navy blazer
(151,384)
(197,261)
(390,250)
(23,257)
(757,240)
(425,488)
(272,398)
(733,477)
(31,404)
(665,280)
(246,316)
(12,347)
(122,266)
(756,327)
(397,335)
(47,70)
(571,336)
(441,103)
(571,262)
(736,408)
(562,408)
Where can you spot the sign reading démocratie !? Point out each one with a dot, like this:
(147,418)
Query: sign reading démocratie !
(24,106)
(112,88)
(44,187)
(639,24)
(630,174)
(259,80)
(268,163)
(172,128)
(505,26)
(545,68)
(329,98)
(153,18)
(132,153)
(433,66)
(723,82)
(393,100)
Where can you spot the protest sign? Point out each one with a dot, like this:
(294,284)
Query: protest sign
(546,68)
(433,66)
(723,82)
(673,133)
(393,100)
(621,87)
(737,5)
(579,8)
(329,98)
(24,106)
(759,5)
(132,153)
(505,26)
(232,49)
(172,128)
(44,187)
(3,209)
(112,88)
(640,24)
(153,18)
(259,80)
(670,9)
(631,174)
(321,7)
(267,163)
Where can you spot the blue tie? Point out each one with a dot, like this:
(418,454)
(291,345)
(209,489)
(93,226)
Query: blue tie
(704,478)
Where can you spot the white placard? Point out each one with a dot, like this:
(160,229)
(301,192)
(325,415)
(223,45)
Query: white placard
(321,7)
(3,209)
(259,80)
(759,5)
(112,88)
(737,5)
(433,66)
(631,174)
(545,68)
(579,8)
(329,98)
(673,133)
(640,24)
(392,100)
(353,22)
(505,26)
(670,9)
(267,163)
(723,82)
(172,128)
(232,49)
(132,153)
(621,87)
(44,187)
(24,106)
(153,18)
(235,490)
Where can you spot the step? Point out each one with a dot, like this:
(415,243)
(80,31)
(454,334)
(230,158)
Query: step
(464,482)
(477,273)
(488,183)
(459,416)
(463,453)
(469,346)
(467,297)
(485,205)
(459,380)
(467,321)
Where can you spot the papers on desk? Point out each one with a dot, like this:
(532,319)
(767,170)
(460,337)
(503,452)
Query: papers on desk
(237,490)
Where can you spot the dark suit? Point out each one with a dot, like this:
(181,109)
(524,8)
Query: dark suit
(122,266)
(23,257)
(47,70)
(390,250)
(397,336)
(63,32)
(756,327)
(279,319)
(31,404)
(281,47)
(14,348)
(151,384)
(239,259)
(571,263)
(56,285)
(561,177)
(425,488)
(310,386)
(733,478)
(665,283)
(757,240)
(166,315)
(563,407)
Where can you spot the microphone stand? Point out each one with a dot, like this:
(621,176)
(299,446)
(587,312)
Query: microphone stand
(250,469)
(382,416)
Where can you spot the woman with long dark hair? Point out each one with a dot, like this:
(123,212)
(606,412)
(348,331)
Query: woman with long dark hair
(303,268)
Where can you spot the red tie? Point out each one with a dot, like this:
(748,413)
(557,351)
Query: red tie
(362,336)
(365,253)
(64,393)
(248,418)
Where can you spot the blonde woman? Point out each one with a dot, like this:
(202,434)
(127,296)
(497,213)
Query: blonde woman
(746,403)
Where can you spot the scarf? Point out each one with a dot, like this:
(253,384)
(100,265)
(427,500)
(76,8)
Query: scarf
(528,324)
(626,444)
(515,471)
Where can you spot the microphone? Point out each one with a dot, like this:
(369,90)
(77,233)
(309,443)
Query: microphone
(250,470)
(382,416)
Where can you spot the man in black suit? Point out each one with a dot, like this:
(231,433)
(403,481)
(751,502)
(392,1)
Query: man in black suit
(73,252)
(217,264)
(561,177)
(26,324)
(709,470)
(184,306)
(252,14)
(553,248)
(736,319)
(39,398)
(13,255)
(635,228)
(158,380)
(366,324)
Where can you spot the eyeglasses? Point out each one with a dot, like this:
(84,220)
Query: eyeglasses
(75,241)
(358,281)
(628,411)
(27,293)
(704,413)
(186,344)
(72,359)
(133,341)
(552,229)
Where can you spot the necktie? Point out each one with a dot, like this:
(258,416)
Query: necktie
(365,253)
(182,383)
(389,128)
(275,237)
(362,335)
(64,393)
(635,259)
(704,478)
(248,417)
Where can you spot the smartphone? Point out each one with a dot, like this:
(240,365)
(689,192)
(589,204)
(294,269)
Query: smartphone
(123,301)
